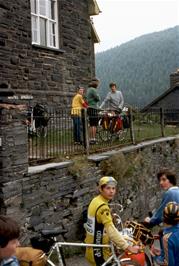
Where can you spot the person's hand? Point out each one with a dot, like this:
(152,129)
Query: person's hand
(147,220)
(134,249)
(155,251)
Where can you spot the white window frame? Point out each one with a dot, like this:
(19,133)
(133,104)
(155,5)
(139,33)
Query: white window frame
(48,20)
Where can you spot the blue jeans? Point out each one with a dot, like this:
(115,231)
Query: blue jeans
(77,128)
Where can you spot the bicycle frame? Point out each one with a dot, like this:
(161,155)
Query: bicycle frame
(58,245)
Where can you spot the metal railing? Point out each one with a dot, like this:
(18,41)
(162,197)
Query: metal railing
(60,136)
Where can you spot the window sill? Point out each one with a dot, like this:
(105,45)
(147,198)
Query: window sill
(48,48)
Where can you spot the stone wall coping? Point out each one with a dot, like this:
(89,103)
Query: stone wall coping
(41,168)
(97,158)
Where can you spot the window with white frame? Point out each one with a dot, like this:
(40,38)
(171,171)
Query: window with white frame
(44,23)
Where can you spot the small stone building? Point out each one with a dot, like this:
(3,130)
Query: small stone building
(47,47)
(169,101)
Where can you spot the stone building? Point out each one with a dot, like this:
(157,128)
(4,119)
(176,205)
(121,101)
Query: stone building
(47,47)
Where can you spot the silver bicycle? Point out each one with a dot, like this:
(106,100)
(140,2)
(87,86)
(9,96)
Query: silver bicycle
(113,260)
(54,248)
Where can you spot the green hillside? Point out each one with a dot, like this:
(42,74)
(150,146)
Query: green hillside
(140,67)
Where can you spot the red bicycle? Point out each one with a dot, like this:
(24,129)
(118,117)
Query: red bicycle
(113,126)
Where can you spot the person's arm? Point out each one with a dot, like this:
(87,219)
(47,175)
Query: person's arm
(121,104)
(114,235)
(118,239)
(105,100)
(157,217)
(82,102)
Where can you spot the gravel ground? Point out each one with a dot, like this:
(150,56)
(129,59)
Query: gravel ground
(77,260)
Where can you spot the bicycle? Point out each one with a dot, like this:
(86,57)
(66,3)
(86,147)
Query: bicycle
(112,125)
(56,247)
(50,245)
(37,120)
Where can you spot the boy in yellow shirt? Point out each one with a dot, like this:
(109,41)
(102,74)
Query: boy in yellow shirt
(100,228)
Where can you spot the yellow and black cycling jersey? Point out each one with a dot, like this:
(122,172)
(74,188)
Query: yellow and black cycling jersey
(99,230)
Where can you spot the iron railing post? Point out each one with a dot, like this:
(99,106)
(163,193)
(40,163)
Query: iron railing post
(131,126)
(85,130)
(162,122)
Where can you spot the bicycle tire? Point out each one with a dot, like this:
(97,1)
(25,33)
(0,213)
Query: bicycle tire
(104,135)
(120,135)
(41,131)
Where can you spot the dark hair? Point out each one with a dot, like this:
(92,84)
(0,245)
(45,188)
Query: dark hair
(79,88)
(171,176)
(112,84)
(9,230)
(103,186)
(94,83)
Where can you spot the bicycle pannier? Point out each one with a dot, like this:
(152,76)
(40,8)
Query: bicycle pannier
(126,123)
(28,256)
(116,124)
(39,242)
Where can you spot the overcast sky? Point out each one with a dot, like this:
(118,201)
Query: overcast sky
(123,20)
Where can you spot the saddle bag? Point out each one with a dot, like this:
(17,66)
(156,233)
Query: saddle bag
(28,256)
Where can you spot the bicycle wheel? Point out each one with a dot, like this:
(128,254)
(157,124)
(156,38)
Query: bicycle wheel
(121,134)
(41,131)
(104,134)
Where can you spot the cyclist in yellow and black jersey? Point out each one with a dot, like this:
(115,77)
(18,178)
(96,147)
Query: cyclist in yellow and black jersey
(100,228)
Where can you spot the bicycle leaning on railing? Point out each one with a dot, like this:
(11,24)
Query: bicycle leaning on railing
(37,120)
(133,232)
(113,125)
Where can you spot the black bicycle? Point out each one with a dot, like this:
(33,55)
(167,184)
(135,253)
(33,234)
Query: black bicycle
(37,120)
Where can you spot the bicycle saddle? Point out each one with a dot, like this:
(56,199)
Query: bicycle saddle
(53,232)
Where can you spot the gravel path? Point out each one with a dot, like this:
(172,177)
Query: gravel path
(77,260)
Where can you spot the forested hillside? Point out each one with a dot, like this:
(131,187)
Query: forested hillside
(140,67)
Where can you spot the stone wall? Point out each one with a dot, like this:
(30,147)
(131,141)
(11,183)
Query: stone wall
(51,74)
(56,194)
